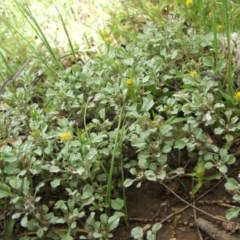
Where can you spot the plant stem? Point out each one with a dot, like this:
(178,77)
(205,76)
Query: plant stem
(229,58)
(26,12)
(123,188)
(67,34)
(111,171)
(215,40)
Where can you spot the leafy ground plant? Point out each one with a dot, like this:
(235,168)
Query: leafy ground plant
(78,127)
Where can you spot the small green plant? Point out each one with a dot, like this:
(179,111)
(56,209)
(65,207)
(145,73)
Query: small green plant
(77,129)
(233,187)
(150,232)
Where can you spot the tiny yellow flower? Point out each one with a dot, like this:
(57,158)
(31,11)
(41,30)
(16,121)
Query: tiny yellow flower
(220,27)
(104,33)
(129,82)
(199,172)
(194,74)
(189,3)
(107,39)
(200,169)
(237,95)
(66,136)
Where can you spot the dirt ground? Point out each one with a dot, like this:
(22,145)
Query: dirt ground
(153,203)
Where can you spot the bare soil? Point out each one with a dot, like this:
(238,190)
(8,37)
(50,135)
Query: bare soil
(153,203)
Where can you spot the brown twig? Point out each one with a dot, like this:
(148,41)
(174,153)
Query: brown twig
(191,205)
(212,231)
(156,219)
(200,197)
(13,77)
(187,206)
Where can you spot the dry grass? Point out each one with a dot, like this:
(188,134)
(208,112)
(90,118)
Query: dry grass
(83,20)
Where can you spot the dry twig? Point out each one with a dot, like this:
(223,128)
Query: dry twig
(13,77)
(213,231)
(191,205)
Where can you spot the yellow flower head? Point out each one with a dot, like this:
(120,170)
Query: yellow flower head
(189,3)
(220,27)
(237,95)
(104,33)
(194,74)
(129,82)
(107,39)
(66,136)
(200,169)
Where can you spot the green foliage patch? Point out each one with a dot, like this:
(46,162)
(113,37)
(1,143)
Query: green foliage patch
(77,130)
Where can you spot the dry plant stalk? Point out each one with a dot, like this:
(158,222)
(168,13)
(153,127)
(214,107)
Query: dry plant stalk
(235,51)
(214,232)
(13,77)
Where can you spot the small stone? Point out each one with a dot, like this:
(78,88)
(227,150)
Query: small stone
(185,222)
(191,225)
(182,229)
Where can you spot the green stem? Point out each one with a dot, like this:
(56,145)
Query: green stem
(84,118)
(28,15)
(123,188)
(67,34)
(215,40)
(111,171)
(229,59)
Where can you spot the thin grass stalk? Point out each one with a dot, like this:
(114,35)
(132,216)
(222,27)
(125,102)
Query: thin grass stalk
(201,11)
(123,188)
(25,10)
(67,34)
(85,118)
(215,38)
(6,64)
(112,164)
(37,54)
(89,44)
(129,16)
(229,57)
